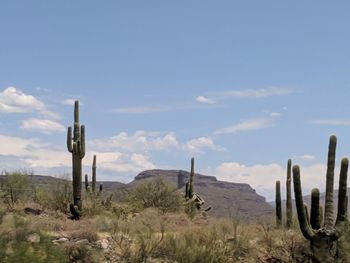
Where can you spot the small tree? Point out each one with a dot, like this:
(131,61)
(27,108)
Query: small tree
(156,193)
(14,186)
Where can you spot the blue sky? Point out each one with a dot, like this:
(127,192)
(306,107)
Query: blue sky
(240,85)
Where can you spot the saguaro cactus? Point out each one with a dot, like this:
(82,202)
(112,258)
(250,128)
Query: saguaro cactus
(191,182)
(86,183)
(322,239)
(289,213)
(93,183)
(278,204)
(76,146)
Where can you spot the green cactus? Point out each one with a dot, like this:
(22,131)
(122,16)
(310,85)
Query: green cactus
(278,204)
(315,216)
(93,183)
(322,240)
(86,183)
(76,146)
(101,189)
(186,190)
(289,208)
(191,182)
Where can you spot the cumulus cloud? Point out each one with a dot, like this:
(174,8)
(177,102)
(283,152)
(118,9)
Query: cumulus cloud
(197,145)
(13,100)
(262,177)
(247,125)
(205,100)
(140,141)
(306,157)
(42,125)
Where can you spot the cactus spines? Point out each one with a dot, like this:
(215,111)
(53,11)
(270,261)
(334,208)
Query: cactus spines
(191,183)
(322,239)
(76,146)
(289,209)
(86,183)
(278,204)
(93,183)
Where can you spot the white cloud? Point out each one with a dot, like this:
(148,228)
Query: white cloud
(262,177)
(256,93)
(247,125)
(275,114)
(205,100)
(332,122)
(144,142)
(198,144)
(140,141)
(70,102)
(13,100)
(122,162)
(42,125)
(33,152)
(304,157)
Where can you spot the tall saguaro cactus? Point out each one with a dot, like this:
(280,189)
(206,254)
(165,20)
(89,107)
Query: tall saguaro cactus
(322,239)
(278,204)
(289,213)
(93,183)
(76,145)
(191,183)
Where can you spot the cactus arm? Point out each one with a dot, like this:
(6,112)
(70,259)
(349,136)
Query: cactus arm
(307,213)
(289,194)
(328,213)
(82,142)
(69,139)
(278,204)
(315,209)
(303,221)
(342,209)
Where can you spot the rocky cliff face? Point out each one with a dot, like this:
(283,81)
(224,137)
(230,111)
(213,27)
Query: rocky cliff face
(227,199)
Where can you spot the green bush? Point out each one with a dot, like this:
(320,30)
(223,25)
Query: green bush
(14,246)
(156,193)
(14,187)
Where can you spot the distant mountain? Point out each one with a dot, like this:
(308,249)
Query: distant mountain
(227,199)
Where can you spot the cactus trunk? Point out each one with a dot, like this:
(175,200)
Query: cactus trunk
(278,204)
(93,183)
(191,183)
(289,208)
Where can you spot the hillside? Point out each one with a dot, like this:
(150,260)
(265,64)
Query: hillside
(225,198)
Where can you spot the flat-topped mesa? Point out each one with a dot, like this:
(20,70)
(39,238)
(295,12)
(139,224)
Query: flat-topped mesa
(323,237)
(76,146)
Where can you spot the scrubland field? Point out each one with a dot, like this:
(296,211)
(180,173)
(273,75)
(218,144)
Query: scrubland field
(151,223)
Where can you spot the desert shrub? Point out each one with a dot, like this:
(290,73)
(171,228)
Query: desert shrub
(14,187)
(14,246)
(156,193)
(56,196)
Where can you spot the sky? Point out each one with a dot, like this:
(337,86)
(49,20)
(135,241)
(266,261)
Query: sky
(240,85)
